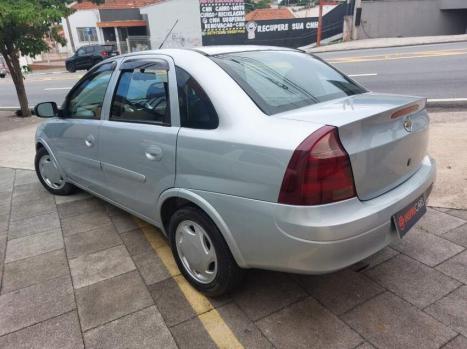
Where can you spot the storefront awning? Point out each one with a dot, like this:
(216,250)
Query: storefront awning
(125,24)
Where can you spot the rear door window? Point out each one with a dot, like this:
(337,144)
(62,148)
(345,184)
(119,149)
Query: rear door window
(196,109)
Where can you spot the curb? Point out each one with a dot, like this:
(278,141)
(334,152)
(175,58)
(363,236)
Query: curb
(446,103)
(317,51)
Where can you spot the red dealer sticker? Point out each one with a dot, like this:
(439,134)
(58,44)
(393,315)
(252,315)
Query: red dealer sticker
(406,218)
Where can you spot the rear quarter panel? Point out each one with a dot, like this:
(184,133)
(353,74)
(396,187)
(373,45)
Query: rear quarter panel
(249,151)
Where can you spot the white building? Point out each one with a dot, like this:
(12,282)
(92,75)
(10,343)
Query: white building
(162,16)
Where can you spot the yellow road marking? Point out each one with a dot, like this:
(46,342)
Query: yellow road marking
(212,321)
(399,55)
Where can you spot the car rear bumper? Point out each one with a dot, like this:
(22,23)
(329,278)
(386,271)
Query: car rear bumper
(315,239)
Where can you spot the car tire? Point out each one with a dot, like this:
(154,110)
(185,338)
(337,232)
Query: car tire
(228,275)
(56,187)
(71,67)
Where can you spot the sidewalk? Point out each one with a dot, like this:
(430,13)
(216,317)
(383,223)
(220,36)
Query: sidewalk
(387,42)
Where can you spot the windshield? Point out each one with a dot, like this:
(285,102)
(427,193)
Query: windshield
(278,81)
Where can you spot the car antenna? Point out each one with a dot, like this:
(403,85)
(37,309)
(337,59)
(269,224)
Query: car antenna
(170,31)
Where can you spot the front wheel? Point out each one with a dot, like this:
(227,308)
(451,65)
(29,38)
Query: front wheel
(201,253)
(49,175)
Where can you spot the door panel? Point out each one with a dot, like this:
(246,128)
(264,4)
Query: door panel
(135,174)
(77,141)
(138,144)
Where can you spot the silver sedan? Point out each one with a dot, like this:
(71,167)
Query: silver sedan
(245,157)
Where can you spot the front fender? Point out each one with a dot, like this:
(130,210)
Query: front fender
(210,211)
(40,140)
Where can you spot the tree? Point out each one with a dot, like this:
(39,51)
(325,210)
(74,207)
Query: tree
(24,25)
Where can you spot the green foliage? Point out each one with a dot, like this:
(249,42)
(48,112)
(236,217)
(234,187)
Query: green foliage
(25,23)
(251,5)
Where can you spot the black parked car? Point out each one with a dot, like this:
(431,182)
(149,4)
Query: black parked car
(88,56)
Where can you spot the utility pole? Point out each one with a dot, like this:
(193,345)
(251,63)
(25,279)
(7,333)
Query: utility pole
(320,19)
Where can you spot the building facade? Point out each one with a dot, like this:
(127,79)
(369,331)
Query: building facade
(405,18)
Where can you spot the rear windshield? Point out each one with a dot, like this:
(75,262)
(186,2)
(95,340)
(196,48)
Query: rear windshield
(108,47)
(278,81)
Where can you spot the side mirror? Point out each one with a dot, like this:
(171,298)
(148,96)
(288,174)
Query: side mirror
(46,110)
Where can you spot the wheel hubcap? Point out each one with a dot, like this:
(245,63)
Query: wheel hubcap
(196,251)
(50,173)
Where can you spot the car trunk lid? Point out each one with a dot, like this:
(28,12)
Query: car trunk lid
(386,136)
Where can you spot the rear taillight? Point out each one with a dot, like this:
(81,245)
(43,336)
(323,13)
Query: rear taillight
(319,171)
(104,54)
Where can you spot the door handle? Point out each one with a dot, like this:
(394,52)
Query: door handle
(89,141)
(153,153)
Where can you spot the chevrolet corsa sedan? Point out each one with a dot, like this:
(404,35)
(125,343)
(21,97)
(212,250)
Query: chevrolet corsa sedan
(245,157)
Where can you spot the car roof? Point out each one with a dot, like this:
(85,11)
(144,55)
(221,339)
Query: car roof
(210,50)
(221,49)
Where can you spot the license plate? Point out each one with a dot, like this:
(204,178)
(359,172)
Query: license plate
(406,218)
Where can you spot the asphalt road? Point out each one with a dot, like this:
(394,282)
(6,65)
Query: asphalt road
(433,71)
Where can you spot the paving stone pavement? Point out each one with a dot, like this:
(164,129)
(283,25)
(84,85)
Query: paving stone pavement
(77,272)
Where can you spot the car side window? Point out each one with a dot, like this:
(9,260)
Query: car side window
(142,96)
(196,109)
(80,52)
(85,100)
(89,49)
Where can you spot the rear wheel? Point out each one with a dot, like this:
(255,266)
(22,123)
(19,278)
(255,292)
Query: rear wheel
(71,67)
(50,176)
(201,253)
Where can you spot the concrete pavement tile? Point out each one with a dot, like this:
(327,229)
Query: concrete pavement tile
(171,302)
(389,322)
(2,255)
(4,222)
(458,235)
(5,208)
(307,322)
(413,281)
(61,332)
(365,345)
(452,310)
(95,267)
(458,213)
(341,291)
(28,192)
(34,225)
(124,223)
(5,197)
(33,245)
(143,329)
(84,222)
(151,267)
(36,303)
(25,177)
(34,270)
(460,342)
(79,195)
(191,334)
(265,292)
(75,208)
(438,223)
(456,267)
(91,241)
(245,330)
(7,177)
(380,257)
(136,242)
(426,248)
(111,299)
(114,210)
(23,210)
